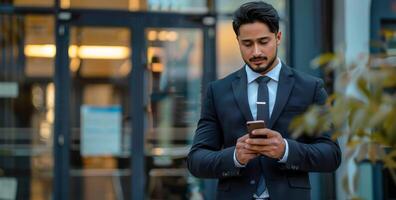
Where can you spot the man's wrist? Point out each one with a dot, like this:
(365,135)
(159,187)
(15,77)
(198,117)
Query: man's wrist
(283,158)
(236,162)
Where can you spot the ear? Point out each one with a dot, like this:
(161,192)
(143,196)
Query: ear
(278,38)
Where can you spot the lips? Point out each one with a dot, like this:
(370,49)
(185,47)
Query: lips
(257,61)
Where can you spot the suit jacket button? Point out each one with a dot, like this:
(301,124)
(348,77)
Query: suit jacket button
(252,182)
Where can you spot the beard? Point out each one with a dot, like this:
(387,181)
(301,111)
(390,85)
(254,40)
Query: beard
(266,68)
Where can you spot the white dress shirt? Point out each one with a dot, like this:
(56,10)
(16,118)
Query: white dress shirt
(252,91)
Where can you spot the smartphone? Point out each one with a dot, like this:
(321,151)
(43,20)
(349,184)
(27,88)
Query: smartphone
(251,125)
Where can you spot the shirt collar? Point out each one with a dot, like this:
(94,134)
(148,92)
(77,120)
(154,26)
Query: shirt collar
(273,74)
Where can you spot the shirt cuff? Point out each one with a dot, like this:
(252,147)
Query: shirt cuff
(285,155)
(236,162)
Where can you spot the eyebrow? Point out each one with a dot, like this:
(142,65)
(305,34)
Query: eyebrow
(258,39)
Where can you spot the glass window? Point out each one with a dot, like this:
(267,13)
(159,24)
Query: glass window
(228,55)
(390,40)
(39,46)
(26,109)
(102,4)
(43,3)
(175,75)
(387,46)
(226,6)
(185,6)
(100,52)
(100,102)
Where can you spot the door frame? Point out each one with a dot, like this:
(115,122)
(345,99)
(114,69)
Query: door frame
(137,22)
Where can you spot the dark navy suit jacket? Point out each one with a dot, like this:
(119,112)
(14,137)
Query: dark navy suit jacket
(224,113)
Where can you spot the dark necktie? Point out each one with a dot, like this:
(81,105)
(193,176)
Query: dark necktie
(263,99)
(262,114)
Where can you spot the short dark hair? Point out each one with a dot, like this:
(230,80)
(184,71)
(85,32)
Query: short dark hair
(256,11)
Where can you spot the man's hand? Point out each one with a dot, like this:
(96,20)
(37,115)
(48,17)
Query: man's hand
(242,154)
(273,146)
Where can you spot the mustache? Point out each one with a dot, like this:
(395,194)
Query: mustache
(258,58)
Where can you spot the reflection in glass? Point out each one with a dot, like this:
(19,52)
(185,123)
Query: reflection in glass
(26,118)
(100,100)
(39,46)
(228,54)
(390,41)
(100,52)
(175,73)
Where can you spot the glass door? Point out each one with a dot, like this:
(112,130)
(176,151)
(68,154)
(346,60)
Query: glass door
(134,102)
(100,64)
(175,70)
(26,106)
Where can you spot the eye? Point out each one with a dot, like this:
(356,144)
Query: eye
(247,44)
(264,42)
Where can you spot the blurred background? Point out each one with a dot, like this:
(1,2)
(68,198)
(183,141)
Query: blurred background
(99,99)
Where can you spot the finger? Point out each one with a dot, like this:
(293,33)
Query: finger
(251,156)
(275,141)
(259,148)
(270,154)
(243,138)
(271,133)
(247,151)
(261,131)
(242,150)
(265,142)
(258,141)
(240,146)
(272,151)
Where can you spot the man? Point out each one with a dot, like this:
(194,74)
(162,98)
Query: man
(275,167)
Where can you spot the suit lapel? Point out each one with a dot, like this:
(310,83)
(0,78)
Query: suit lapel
(239,87)
(285,86)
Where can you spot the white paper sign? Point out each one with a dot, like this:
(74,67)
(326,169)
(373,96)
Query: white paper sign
(8,188)
(9,89)
(100,130)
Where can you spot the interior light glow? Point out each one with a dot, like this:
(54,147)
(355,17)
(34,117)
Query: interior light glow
(65,4)
(83,52)
(43,51)
(163,35)
(73,51)
(152,35)
(75,64)
(103,52)
(172,36)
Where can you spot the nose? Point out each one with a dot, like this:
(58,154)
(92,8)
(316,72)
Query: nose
(256,50)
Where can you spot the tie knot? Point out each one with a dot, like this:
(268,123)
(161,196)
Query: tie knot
(263,79)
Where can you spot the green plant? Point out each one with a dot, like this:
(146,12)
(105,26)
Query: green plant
(362,109)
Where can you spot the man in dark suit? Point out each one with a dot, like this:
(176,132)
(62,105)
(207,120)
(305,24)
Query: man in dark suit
(275,167)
